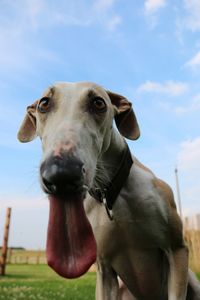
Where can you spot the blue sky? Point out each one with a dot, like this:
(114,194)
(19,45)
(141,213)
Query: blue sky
(148,51)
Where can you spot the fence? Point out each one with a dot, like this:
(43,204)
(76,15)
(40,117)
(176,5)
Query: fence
(191,234)
(192,238)
(26,257)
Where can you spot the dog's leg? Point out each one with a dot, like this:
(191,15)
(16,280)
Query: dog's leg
(178,274)
(107,287)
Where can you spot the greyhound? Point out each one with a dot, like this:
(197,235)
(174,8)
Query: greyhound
(105,206)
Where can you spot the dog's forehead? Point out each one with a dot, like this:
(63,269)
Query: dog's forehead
(78,89)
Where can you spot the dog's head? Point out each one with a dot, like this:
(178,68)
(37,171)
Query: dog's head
(74,122)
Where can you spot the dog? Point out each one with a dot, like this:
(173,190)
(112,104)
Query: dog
(106,206)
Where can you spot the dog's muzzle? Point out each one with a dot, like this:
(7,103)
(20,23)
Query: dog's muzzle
(61,175)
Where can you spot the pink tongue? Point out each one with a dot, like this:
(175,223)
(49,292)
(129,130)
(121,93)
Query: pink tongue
(71,247)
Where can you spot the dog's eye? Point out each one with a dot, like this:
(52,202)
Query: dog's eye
(43,105)
(99,104)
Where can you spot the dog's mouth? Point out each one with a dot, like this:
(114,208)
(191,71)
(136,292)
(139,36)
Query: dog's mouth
(71,246)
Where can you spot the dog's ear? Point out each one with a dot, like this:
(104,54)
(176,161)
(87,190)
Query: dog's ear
(125,117)
(27,131)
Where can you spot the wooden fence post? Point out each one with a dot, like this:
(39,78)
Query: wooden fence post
(198,221)
(5,242)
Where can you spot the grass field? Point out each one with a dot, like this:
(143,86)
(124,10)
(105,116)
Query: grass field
(39,282)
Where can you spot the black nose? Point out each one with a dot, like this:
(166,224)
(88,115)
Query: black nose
(62,175)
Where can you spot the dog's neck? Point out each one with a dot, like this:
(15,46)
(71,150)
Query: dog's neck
(110,160)
(112,172)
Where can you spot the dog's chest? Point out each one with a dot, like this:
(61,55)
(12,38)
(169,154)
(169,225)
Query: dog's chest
(140,216)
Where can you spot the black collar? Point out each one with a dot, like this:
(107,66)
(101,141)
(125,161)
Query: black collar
(108,194)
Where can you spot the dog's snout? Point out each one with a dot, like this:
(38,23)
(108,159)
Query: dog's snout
(60,176)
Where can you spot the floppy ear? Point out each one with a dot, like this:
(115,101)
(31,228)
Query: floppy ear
(125,118)
(27,131)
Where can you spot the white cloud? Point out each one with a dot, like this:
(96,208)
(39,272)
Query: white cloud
(193,106)
(171,88)
(18,50)
(103,12)
(151,11)
(194,62)
(189,155)
(192,20)
(80,13)
(114,22)
(21,21)
(188,18)
(103,5)
(34,10)
(152,6)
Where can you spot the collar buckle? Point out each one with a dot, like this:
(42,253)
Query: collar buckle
(108,194)
(103,199)
(108,210)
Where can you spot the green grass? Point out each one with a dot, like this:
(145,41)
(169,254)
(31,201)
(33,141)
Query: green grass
(39,282)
